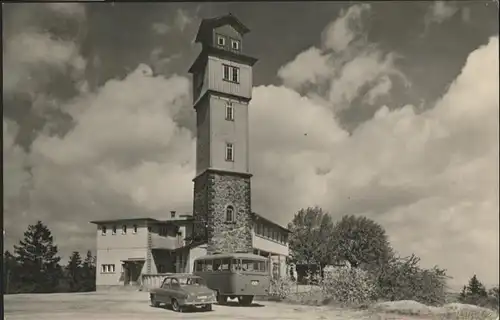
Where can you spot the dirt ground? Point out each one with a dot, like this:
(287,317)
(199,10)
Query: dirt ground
(135,305)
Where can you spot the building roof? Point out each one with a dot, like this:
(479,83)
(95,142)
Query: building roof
(207,25)
(123,220)
(232,255)
(259,217)
(180,219)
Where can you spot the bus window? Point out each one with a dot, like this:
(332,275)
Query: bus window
(208,265)
(235,265)
(217,263)
(225,265)
(247,265)
(260,266)
(199,265)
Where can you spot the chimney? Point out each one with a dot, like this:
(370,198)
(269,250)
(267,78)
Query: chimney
(172,214)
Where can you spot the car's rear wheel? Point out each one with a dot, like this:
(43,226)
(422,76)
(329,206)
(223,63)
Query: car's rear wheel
(207,307)
(245,300)
(176,306)
(154,303)
(221,299)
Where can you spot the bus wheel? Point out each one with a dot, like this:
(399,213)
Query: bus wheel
(245,300)
(221,299)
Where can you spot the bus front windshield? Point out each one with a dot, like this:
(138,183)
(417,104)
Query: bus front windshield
(248,265)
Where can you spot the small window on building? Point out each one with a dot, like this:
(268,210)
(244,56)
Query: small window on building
(229,111)
(235,45)
(236,75)
(107,268)
(229,214)
(103,230)
(229,152)
(135,229)
(150,229)
(225,72)
(113,231)
(124,229)
(221,41)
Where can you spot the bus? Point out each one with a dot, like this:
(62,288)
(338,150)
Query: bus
(234,275)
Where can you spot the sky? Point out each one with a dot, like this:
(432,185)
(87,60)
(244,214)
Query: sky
(386,109)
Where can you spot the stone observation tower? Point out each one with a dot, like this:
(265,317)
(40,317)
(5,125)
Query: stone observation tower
(222,90)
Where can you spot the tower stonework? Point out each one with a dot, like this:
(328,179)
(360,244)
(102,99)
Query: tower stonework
(222,88)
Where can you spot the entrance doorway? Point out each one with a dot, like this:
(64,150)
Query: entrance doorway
(132,271)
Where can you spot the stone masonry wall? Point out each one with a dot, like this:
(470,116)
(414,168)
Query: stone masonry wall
(200,207)
(221,190)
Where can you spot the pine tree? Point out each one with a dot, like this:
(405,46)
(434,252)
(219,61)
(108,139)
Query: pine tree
(474,293)
(476,288)
(88,273)
(74,271)
(9,271)
(39,269)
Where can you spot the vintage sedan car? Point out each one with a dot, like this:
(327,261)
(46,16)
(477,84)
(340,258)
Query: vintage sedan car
(182,291)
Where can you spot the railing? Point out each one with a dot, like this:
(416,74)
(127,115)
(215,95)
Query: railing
(153,280)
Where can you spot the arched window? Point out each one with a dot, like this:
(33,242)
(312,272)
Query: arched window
(229,214)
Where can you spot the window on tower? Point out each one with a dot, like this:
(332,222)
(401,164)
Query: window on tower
(236,75)
(229,111)
(221,41)
(226,72)
(229,152)
(230,214)
(235,45)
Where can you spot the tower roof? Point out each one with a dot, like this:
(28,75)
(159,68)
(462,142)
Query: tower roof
(207,25)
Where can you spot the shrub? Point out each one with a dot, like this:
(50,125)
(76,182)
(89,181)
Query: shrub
(403,279)
(280,288)
(347,286)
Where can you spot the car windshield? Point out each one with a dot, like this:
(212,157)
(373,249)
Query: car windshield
(191,282)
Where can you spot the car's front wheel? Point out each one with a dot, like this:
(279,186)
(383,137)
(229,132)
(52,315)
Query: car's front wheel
(154,303)
(176,306)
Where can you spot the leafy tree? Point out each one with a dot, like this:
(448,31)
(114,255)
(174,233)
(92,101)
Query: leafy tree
(404,279)
(74,272)
(88,273)
(309,240)
(362,242)
(39,269)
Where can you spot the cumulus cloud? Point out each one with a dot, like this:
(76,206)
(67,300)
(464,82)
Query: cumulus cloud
(28,55)
(383,86)
(309,67)
(430,178)
(181,21)
(346,28)
(123,156)
(346,68)
(441,11)
(72,10)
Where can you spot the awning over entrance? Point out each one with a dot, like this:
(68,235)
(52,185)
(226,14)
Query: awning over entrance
(134,260)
